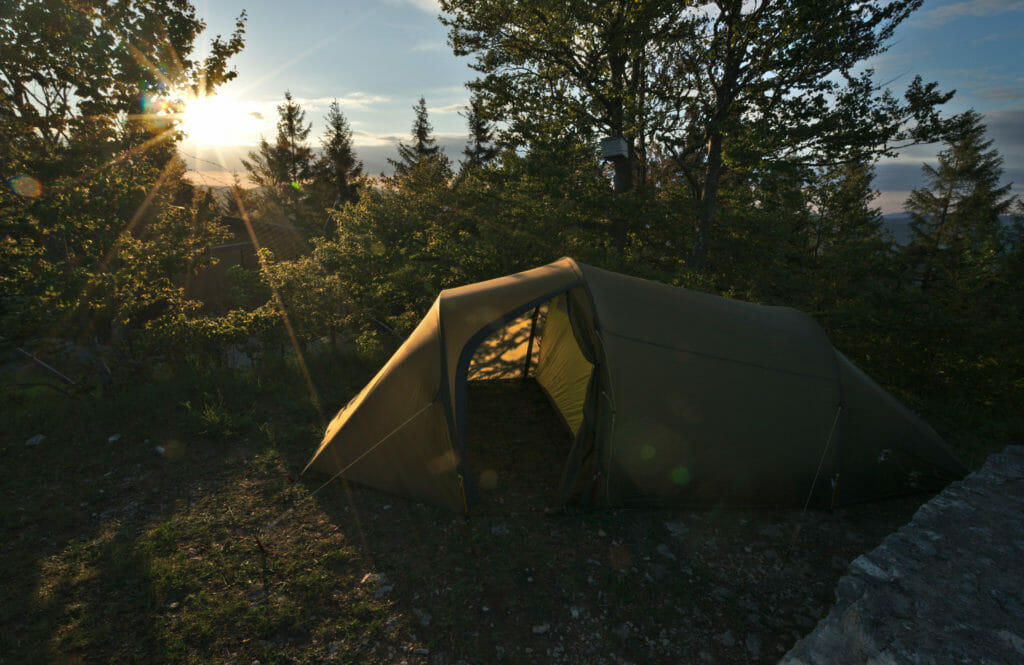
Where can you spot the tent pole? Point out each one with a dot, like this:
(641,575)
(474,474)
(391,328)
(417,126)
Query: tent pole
(529,345)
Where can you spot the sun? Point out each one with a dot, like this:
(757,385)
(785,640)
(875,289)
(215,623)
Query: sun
(216,120)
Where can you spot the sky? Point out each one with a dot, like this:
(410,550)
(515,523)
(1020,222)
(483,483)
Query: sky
(377,57)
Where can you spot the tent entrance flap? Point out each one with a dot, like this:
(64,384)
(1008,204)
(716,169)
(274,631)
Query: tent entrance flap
(562,369)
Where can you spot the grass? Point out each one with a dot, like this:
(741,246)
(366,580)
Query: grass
(168,524)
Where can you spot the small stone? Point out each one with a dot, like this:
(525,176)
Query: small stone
(113,438)
(864,565)
(664,551)
(421,651)
(754,645)
(1016,642)
(677,529)
(727,640)
(35,440)
(499,530)
(423,616)
(541,629)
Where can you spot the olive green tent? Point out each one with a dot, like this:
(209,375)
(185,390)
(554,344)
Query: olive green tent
(672,397)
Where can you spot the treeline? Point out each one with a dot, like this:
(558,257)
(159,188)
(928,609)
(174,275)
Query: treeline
(750,134)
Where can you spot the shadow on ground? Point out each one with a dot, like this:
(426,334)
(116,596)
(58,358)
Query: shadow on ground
(512,584)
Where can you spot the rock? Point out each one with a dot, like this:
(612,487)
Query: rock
(753,643)
(113,438)
(664,551)
(35,440)
(423,616)
(917,597)
(677,529)
(773,531)
(866,566)
(1015,641)
(499,530)
(541,629)
(727,640)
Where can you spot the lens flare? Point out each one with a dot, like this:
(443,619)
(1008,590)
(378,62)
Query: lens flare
(681,476)
(25,186)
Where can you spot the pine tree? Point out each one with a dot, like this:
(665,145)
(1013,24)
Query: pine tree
(284,170)
(955,220)
(481,149)
(338,174)
(964,324)
(424,146)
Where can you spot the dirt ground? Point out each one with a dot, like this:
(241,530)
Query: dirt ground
(515,584)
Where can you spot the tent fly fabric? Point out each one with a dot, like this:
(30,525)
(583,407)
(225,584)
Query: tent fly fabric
(672,398)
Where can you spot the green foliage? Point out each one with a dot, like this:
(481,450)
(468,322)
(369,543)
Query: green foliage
(98,226)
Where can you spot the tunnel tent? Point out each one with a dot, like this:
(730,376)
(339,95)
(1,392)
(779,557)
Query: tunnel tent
(672,398)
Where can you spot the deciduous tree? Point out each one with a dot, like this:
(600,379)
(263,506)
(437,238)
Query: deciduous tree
(719,84)
(98,221)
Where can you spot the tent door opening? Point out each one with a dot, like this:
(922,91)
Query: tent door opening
(526,389)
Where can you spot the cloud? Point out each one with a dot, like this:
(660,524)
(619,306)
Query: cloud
(1006,129)
(429,6)
(1001,93)
(361,138)
(898,176)
(943,15)
(451,108)
(355,101)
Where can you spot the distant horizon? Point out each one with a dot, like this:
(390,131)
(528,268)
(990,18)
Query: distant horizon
(215,166)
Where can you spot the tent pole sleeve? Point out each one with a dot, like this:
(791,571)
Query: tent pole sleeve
(529,345)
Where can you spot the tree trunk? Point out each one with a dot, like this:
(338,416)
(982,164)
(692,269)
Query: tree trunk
(623,181)
(708,202)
